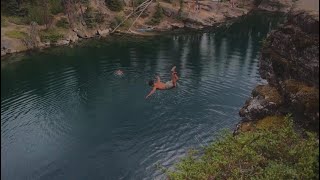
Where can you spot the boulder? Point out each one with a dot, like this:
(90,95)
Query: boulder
(169,12)
(80,34)
(62,42)
(276,5)
(265,101)
(177,25)
(103,33)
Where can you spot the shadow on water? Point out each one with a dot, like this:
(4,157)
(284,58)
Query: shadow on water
(64,114)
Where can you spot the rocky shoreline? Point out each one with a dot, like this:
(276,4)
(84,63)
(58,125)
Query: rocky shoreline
(211,14)
(290,63)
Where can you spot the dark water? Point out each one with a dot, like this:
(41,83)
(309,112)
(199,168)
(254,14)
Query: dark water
(65,115)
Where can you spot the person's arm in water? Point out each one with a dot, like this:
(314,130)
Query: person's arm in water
(152,91)
(176,76)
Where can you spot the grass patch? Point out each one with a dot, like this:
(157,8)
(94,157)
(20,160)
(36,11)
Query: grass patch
(157,16)
(56,7)
(118,19)
(63,23)
(273,153)
(93,17)
(115,5)
(52,35)
(16,34)
(18,20)
(4,21)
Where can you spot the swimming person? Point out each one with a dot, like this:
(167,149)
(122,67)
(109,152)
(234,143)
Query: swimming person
(119,72)
(164,86)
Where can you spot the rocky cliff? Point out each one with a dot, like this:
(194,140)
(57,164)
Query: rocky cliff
(290,63)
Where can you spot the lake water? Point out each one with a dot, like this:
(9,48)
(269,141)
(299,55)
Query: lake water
(66,115)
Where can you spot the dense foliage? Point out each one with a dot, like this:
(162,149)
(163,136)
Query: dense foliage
(114,5)
(50,35)
(277,153)
(157,16)
(92,17)
(26,11)
(63,23)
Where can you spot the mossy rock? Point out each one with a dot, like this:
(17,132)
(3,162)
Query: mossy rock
(305,97)
(270,122)
(266,123)
(270,93)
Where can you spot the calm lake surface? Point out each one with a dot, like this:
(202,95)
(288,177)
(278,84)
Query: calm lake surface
(66,115)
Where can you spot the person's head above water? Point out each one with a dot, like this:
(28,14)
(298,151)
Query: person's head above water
(151,82)
(119,72)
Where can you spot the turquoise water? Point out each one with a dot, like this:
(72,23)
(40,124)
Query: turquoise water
(66,115)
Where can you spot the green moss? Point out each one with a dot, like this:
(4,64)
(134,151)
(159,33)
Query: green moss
(63,23)
(270,122)
(277,153)
(52,35)
(270,93)
(307,96)
(16,34)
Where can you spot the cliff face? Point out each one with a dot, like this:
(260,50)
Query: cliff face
(290,63)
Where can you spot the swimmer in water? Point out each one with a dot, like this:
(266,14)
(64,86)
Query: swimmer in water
(164,86)
(119,72)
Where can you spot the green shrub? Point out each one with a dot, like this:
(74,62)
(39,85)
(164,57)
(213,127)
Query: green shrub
(56,6)
(4,22)
(93,17)
(168,1)
(278,153)
(52,35)
(180,10)
(36,14)
(18,20)
(9,7)
(157,16)
(116,21)
(63,23)
(265,42)
(138,2)
(16,34)
(114,5)
(99,17)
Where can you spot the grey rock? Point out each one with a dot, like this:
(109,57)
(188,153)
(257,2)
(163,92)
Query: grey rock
(103,33)
(62,42)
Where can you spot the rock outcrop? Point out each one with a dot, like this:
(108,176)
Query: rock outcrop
(276,5)
(290,63)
